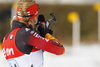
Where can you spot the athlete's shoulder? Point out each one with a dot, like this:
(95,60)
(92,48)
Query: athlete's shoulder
(24,30)
(24,33)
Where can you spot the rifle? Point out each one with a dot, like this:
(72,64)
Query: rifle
(41,18)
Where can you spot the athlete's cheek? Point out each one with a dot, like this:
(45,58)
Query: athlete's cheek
(35,20)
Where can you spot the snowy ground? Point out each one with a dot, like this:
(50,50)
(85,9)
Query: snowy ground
(85,56)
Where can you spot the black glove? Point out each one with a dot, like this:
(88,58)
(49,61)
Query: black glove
(44,30)
(43,26)
(50,31)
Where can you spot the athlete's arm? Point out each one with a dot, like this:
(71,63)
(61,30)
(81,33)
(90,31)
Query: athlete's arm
(34,39)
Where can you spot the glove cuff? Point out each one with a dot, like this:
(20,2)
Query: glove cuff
(49,36)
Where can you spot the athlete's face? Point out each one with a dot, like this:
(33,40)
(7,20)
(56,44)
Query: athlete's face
(34,20)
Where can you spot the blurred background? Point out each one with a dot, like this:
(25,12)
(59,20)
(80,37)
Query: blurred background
(77,28)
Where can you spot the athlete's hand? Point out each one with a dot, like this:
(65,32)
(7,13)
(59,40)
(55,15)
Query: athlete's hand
(43,26)
(43,29)
(50,31)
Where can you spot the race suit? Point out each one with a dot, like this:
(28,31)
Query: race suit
(19,49)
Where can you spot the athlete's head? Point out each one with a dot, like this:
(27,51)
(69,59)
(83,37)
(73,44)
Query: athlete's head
(27,11)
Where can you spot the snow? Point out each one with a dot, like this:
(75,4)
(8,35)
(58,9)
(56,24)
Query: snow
(85,56)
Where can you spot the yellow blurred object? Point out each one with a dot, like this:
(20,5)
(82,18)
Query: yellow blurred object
(96,6)
(0,46)
(14,5)
(73,16)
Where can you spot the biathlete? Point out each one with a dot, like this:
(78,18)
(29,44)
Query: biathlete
(23,46)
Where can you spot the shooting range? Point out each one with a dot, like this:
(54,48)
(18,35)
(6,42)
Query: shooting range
(73,17)
(97,9)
